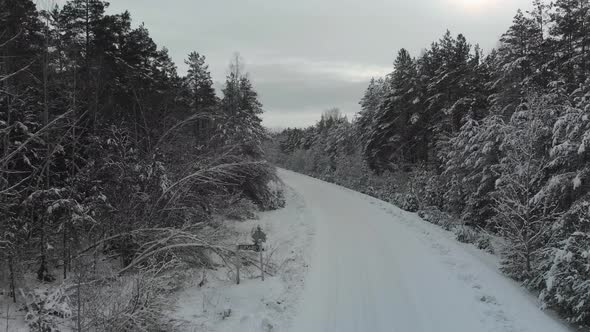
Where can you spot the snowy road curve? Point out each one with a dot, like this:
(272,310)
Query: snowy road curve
(377,268)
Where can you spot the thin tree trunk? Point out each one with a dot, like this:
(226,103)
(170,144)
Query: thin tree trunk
(42,273)
(65,251)
(12,278)
(79,307)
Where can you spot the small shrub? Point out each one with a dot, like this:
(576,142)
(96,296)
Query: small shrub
(484,242)
(275,197)
(225,314)
(411,203)
(568,280)
(432,193)
(242,209)
(466,234)
(45,310)
(407,202)
(131,303)
(435,216)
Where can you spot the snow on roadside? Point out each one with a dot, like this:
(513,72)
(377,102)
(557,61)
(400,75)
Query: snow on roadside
(479,270)
(11,319)
(254,305)
(408,274)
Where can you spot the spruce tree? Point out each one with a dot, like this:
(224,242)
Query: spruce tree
(241,124)
(391,139)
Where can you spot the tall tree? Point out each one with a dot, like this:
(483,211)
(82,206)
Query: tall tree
(370,103)
(83,23)
(524,218)
(200,82)
(519,64)
(391,139)
(570,30)
(203,98)
(242,125)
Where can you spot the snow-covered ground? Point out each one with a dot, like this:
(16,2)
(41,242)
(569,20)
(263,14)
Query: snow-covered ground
(349,262)
(255,305)
(11,319)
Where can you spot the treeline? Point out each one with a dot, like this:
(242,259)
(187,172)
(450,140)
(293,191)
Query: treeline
(499,141)
(105,149)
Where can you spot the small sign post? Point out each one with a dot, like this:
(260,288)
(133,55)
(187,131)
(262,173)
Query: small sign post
(239,262)
(258,237)
(261,266)
(251,247)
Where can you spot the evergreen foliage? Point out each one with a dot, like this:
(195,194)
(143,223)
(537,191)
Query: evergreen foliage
(500,141)
(104,144)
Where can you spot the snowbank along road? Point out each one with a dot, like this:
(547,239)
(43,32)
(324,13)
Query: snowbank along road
(377,268)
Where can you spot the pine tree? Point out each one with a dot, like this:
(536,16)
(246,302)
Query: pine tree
(370,103)
(202,92)
(22,60)
(390,140)
(570,30)
(470,169)
(522,216)
(242,125)
(83,21)
(200,82)
(518,63)
(447,88)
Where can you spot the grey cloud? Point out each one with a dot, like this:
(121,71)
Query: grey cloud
(306,55)
(322,93)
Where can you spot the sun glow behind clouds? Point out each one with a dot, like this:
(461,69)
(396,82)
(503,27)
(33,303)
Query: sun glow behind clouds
(474,5)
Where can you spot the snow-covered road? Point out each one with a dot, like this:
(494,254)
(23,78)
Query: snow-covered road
(377,268)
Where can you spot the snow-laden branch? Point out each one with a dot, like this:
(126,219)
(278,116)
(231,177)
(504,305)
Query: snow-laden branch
(36,135)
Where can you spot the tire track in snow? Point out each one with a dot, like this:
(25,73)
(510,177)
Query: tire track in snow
(377,268)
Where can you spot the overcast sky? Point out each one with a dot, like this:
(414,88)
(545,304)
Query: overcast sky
(305,56)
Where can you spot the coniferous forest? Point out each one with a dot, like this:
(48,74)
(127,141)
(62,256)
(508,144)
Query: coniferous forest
(114,167)
(492,145)
(124,181)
